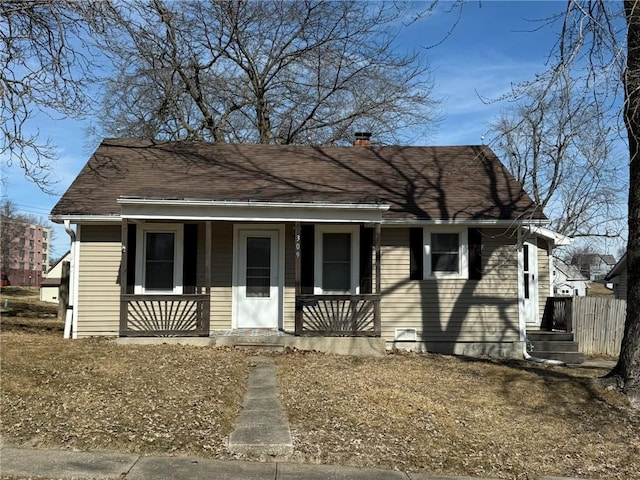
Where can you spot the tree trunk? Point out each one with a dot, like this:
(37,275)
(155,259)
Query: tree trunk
(627,369)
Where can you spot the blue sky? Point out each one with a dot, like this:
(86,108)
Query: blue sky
(494,45)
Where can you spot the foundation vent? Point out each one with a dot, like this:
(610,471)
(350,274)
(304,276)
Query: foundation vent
(406,334)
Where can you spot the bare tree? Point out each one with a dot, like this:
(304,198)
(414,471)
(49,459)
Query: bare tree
(42,69)
(596,58)
(627,371)
(599,43)
(548,142)
(264,72)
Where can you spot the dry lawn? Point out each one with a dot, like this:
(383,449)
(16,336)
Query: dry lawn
(438,414)
(95,395)
(458,416)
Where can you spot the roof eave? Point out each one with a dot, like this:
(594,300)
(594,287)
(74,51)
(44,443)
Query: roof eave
(466,221)
(85,218)
(556,238)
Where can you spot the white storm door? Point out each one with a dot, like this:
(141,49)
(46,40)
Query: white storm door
(529,284)
(257,291)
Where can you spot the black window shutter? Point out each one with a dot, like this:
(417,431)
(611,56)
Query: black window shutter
(131,257)
(416,260)
(307,234)
(190,258)
(475,254)
(366,260)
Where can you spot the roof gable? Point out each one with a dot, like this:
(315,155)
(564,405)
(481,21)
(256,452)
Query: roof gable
(424,183)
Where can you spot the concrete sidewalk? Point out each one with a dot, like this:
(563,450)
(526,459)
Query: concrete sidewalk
(63,464)
(262,427)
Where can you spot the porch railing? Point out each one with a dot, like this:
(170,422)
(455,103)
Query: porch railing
(558,314)
(164,315)
(338,315)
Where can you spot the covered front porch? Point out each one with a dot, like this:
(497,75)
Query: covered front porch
(228,270)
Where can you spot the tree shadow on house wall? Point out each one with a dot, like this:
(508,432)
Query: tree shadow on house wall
(443,184)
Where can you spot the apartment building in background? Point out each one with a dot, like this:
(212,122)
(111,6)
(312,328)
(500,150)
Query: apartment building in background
(29,255)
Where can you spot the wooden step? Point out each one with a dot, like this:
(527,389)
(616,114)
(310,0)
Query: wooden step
(554,346)
(541,335)
(571,358)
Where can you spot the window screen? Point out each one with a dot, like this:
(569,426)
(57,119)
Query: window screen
(159,261)
(445,252)
(336,262)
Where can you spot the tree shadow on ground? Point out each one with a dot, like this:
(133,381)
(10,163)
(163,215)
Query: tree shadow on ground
(560,382)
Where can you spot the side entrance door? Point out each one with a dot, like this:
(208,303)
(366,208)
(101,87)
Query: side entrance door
(529,283)
(257,287)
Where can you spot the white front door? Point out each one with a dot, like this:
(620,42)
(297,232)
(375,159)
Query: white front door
(257,290)
(529,283)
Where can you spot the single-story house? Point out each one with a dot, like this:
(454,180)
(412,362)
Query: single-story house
(52,279)
(618,276)
(430,248)
(568,281)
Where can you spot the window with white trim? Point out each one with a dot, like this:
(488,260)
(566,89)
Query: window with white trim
(159,266)
(337,260)
(446,253)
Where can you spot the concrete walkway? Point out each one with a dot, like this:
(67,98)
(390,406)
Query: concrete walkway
(66,465)
(262,427)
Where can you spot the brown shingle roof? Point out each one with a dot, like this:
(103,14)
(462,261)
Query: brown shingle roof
(449,183)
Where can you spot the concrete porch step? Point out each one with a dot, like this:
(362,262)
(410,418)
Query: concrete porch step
(274,347)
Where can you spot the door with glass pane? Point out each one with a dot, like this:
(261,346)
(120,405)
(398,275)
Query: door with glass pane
(529,279)
(257,293)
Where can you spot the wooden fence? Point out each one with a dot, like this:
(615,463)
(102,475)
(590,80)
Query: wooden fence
(598,324)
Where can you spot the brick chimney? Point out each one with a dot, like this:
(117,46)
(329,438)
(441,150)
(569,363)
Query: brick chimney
(363,139)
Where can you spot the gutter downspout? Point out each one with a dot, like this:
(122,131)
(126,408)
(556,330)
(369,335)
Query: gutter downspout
(70,317)
(545,361)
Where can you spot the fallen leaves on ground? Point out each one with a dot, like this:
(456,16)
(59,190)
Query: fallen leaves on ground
(429,413)
(457,416)
(92,394)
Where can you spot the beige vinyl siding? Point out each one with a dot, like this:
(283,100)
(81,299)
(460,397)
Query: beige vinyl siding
(221,275)
(202,242)
(621,291)
(544,276)
(452,310)
(620,284)
(289,308)
(98,306)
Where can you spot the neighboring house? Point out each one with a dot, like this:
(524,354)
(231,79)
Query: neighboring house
(593,266)
(29,252)
(50,284)
(567,280)
(435,248)
(618,276)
